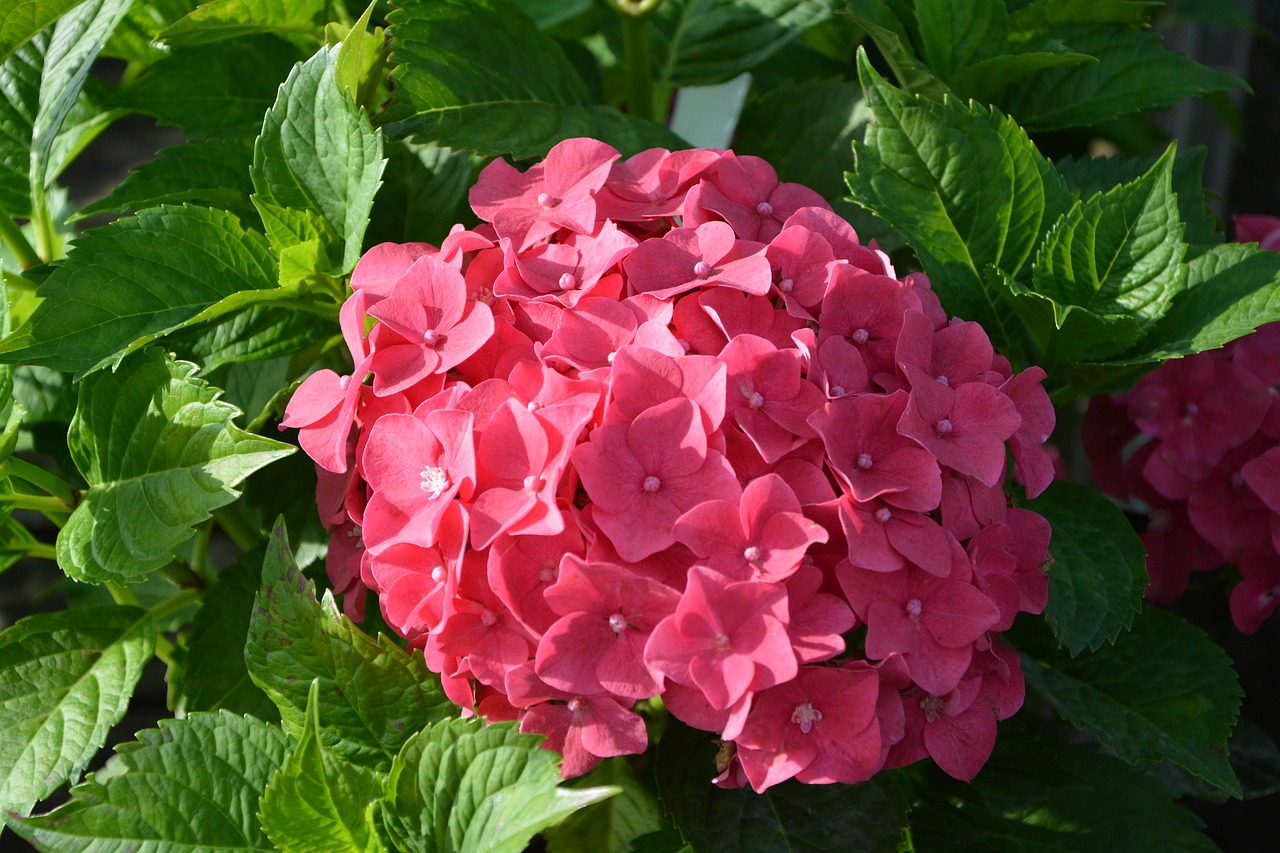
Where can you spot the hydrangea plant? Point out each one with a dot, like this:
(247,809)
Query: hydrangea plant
(487,467)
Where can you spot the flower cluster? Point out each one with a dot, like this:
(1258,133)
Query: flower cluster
(1196,444)
(663,426)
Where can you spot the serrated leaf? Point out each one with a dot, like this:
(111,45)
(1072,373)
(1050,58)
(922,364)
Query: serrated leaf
(954,35)
(805,131)
(1118,252)
(373,695)
(318,153)
(1036,795)
(213,675)
(1231,290)
(421,197)
(210,172)
(22,19)
(317,803)
(964,185)
(612,825)
(888,28)
(19,101)
(15,542)
(704,42)
(254,333)
(1098,571)
(462,786)
(446,93)
(300,21)
(1133,72)
(362,58)
(868,816)
(65,679)
(191,784)
(136,278)
(216,90)
(1041,14)
(132,38)
(159,453)
(1163,691)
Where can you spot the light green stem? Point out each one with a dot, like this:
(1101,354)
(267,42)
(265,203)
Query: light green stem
(39,503)
(44,480)
(17,241)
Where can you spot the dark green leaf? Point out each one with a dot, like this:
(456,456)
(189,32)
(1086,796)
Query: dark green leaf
(65,679)
(318,154)
(213,173)
(132,39)
(19,101)
(1163,691)
(703,42)
(1042,796)
(213,674)
(22,19)
(445,92)
(258,332)
(373,695)
(192,784)
(1098,570)
(548,13)
(889,31)
(1042,14)
(1133,72)
(159,453)
(138,278)
(965,186)
(462,785)
(422,193)
(869,816)
(954,35)
(218,20)
(318,803)
(1231,290)
(612,825)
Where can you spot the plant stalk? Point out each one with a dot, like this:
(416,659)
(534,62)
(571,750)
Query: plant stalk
(17,241)
(44,480)
(634,15)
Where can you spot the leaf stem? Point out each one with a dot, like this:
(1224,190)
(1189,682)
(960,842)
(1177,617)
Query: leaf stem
(17,241)
(38,503)
(44,480)
(237,528)
(174,603)
(200,553)
(42,222)
(39,550)
(634,15)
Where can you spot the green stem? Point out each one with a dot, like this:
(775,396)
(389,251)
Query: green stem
(44,480)
(39,550)
(635,43)
(174,603)
(182,576)
(38,503)
(14,280)
(17,241)
(42,222)
(234,525)
(121,594)
(200,553)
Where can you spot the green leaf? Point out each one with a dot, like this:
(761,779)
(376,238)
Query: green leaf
(462,786)
(805,131)
(954,35)
(215,90)
(1035,795)
(889,31)
(1041,14)
(869,816)
(76,40)
(609,826)
(19,101)
(1098,569)
(255,333)
(373,695)
(703,42)
(191,784)
(317,153)
(22,19)
(422,195)
(159,453)
(362,59)
(213,675)
(1231,290)
(1163,691)
(300,21)
(212,172)
(132,38)
(317,803)
(445,92)
(961,220)
(138,278)
(1133,72)
(65,679)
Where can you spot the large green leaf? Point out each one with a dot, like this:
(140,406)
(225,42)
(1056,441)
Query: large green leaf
(702,42)
(373,695)
(192,784)
(422,194)
(318,803)
(520,95)
(297,20)
(1133,72)
(869,816)
(1040,14)
(965,186)
(612,825)
(19,101)
(1162,691)
(1037,796)
(212,172)
(159,453)
(22,19)
(464,787)
(1098,569)
(213,674)
(65,679)
(892,31)
(137,278)
(955,35)
(255,333)
(317,153)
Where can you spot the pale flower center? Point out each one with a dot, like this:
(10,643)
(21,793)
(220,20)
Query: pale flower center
(913,608)
(837,390)
(944,426)
(567,281)
(547,201)
(753,554)
(864,461)
(618,623)
(786,285)
(860,336)
(721,642)
(883,515)
(764,208)
(488,618)
(577,703)
(435,481)
(805,716)
(431,337)
(652,483)
(755,401)
(932,707)
(702,269)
